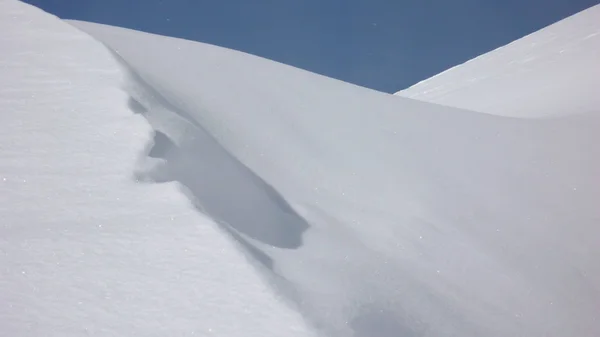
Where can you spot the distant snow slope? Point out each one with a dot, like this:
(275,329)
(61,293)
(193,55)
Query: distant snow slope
(555,71)
(84,250)
(377,215)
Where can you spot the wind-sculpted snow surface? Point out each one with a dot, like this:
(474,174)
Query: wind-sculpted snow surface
(376,215)
(84,249)
(552,72)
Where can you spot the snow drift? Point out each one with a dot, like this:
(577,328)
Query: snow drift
(551,72)
(369,214)
(84,250)
(376,215)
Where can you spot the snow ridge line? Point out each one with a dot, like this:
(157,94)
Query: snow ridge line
(217,183)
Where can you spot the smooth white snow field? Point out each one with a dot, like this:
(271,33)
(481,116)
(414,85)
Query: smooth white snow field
(552,72)
(154,186)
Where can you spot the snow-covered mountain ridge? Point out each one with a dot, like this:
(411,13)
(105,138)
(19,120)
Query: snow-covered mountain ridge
(551,72)
(84,249)
(394,190)
(368,214)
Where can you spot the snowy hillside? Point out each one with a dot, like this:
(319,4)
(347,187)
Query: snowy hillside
(555,71)
(377,215)
(84,250)
(336,208)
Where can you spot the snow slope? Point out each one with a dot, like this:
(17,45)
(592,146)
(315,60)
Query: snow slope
(552,72)
(84,249)
(376,215)
(357,212)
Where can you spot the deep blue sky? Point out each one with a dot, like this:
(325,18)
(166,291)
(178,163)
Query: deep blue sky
(381,44)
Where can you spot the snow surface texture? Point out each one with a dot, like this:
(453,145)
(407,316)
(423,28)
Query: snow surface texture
(371,215)
(84,249)
(552,72)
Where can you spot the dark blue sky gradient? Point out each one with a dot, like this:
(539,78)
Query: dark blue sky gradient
(386,45)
